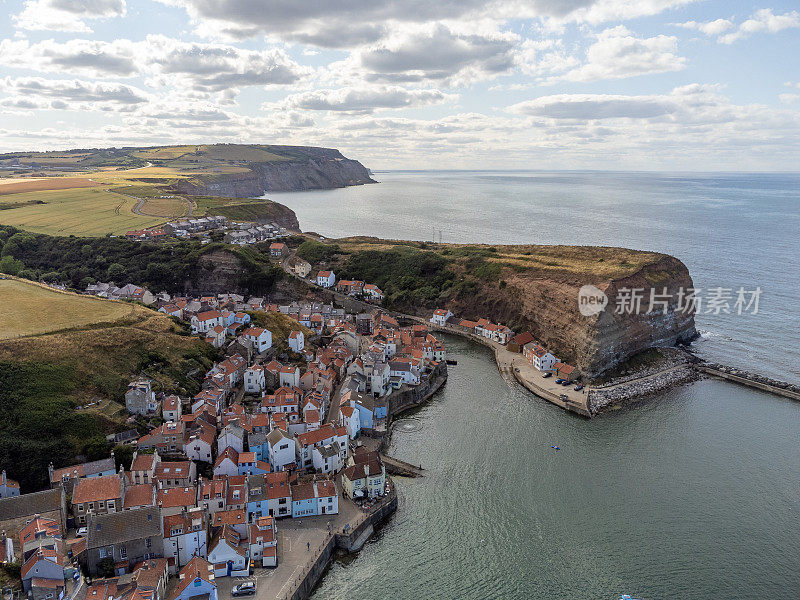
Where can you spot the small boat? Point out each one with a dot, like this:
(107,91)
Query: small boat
(555,447)
(450,361)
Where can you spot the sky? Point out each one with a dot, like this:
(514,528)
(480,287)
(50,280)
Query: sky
(686,85)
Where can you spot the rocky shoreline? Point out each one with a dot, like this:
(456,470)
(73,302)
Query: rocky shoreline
(639,388)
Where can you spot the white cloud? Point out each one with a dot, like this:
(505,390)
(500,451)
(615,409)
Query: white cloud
(710,28)
(763,21)
(360,22)
(789,98)
(66,15)
(596,106)
(618,54)
(437,53)
(362,99)
(76,56)
(74,94)
(218,67)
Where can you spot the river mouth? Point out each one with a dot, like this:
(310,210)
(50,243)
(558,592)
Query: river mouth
(681,497)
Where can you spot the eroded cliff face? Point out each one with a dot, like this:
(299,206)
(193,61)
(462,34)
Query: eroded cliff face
(323,169)
(598,342)
(546,304)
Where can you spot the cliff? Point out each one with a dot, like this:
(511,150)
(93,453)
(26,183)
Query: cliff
(317,169)
(549,307)
(534,288)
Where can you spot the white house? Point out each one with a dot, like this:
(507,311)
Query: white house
(198,446)
(172,409)
(264,542)
(254,380)
(261,338)
(231,436)
(297,341)
(379,378)
(326,279)
(405,370)
(204,321)
(326,458)
(289,376)
(281,449)
(228,554)
(227,463)
(538,356)
(185,536)
(373,291)
(348,417)
(440,316)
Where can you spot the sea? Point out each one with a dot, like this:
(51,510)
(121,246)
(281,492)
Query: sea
(692,494)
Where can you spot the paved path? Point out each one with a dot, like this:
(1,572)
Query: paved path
(300,542)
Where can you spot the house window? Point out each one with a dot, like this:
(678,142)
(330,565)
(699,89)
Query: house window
(148,543)
(123,552)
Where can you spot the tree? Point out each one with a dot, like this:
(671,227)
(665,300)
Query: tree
(96,448)
(116,273)
(10,265)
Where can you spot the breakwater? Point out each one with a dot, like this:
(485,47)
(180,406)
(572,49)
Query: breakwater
(752,380)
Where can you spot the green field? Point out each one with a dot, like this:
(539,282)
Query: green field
(83,211)
(30,309)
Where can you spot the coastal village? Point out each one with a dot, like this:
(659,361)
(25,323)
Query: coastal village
(283,438)
(283,443)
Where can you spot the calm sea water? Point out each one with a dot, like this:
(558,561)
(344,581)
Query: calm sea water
(731,230)
(691,495)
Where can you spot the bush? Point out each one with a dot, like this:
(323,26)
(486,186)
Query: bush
(315,252)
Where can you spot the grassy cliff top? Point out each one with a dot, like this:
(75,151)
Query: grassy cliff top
(194,158)
(599,262)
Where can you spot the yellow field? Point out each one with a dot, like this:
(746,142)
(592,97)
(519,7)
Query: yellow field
(86,211)
(30,309)
(168,208)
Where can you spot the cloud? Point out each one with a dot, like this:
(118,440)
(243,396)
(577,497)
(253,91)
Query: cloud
(763,21)
(77,56)
(618,54)
(789,98)
(74,94)
(710,28)
(362,99)
(340,24)
(203,67)
(438,53)
(66,15)
(218,67)
(596,106)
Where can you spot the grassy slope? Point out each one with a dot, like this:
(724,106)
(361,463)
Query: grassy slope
(280,325)
(29,308)
(44,377)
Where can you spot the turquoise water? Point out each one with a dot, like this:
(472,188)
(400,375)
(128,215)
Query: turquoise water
(731,230)
(690,495)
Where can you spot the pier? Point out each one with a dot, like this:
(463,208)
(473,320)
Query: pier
(396,466)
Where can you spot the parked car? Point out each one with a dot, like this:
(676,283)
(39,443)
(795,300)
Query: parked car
(578,387)
(546,374)
(248,588)
(564,382)
(82,532)
(559,381)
